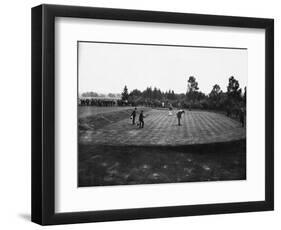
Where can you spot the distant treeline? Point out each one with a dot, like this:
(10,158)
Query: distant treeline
(101,95)
(230,101)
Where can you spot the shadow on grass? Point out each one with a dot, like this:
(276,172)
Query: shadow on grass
(101,165)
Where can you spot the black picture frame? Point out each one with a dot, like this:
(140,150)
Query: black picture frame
(43,114)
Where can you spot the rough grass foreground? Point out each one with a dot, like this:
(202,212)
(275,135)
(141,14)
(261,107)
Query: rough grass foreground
(101,165)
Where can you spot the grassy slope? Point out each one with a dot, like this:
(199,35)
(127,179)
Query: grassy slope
(98,121)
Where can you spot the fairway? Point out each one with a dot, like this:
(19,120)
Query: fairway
(198,127)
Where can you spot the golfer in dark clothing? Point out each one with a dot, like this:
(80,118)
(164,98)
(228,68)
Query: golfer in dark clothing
(133,116)
(141,122)
(179,113)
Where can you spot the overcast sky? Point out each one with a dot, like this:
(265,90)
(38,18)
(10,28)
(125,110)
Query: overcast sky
(107,68)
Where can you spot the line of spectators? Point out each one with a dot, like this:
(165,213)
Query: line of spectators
(97,102)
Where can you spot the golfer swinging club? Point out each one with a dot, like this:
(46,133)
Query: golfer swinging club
(179,114)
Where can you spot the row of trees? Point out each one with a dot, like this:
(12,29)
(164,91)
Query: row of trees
(94,94)
(230,101)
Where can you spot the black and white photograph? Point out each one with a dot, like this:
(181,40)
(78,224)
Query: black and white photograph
(142,113)
(160,113)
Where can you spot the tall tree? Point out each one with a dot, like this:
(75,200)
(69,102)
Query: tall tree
(215,91)
(135,96)
(233,90)
(135,93)
(156,94)
(147,93)
(234,97)
(215,96)
(125,95)
(192,84)
(192,90)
